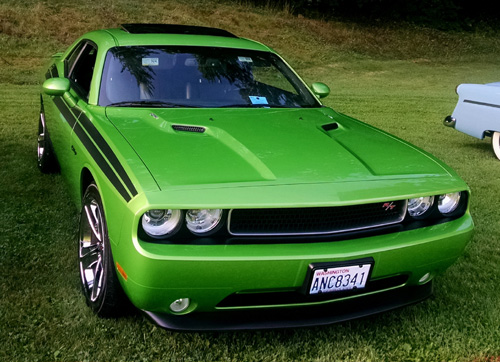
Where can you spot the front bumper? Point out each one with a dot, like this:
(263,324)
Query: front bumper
(246,284)
(294,317)
(449,121)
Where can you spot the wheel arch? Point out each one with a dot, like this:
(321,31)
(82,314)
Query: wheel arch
(86,178)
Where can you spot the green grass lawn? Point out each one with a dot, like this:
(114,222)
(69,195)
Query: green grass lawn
(391,78)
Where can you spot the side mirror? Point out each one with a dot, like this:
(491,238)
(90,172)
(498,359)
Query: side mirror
(59,87)
(321,90)
(56,86)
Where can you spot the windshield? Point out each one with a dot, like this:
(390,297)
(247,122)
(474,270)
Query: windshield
(182,76)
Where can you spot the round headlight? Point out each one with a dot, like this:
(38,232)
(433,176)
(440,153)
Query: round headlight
(158,223)
(448,203)
(420,205)
(203,221)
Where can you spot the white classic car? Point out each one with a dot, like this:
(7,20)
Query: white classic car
(477,112)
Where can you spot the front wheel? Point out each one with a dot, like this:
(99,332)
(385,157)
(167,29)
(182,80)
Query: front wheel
(99,280)
(495,142)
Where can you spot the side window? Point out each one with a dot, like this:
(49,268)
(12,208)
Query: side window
(69,62)
(51,72)
(82,70)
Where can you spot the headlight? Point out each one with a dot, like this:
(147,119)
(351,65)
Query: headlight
(420,205)
(448,203)
(158,223)
(202,221)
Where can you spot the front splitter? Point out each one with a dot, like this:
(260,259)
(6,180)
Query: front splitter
(294,317)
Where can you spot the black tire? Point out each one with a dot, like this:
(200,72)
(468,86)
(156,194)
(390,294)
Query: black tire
(99,281)
(46,160)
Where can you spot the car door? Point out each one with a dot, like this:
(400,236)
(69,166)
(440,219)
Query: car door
(80,74)
(56,111)
(66,112)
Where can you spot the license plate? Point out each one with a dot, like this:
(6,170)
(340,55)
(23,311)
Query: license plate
(329,280)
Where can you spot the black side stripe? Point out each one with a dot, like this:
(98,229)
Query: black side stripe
(482,104)
(65,111)
(99,159)
(106,150)
(93,150)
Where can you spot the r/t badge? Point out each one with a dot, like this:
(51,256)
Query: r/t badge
(388,206)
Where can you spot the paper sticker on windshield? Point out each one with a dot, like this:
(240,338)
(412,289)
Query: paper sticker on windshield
(150,62)
(245,59)
(258,100)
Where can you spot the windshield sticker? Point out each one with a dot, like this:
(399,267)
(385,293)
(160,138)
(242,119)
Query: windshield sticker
(150,62)
(258,100)
(245,59)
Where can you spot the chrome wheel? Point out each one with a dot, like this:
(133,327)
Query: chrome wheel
(98,277)
(92,251)
(46,160)
(41,140)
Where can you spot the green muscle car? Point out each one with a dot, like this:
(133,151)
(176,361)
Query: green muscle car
(217,192)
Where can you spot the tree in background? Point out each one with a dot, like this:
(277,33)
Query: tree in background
(442,14)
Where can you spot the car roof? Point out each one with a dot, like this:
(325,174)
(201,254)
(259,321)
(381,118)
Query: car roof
(173,34)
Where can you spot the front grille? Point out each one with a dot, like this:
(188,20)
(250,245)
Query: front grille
(296,297)
(315,220)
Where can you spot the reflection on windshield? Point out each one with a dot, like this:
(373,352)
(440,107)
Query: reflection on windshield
(199,77)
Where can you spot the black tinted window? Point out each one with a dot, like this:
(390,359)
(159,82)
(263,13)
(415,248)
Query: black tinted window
(69,62)
(82,71)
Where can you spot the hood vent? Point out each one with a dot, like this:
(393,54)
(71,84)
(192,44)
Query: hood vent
(194,129)
(330,126)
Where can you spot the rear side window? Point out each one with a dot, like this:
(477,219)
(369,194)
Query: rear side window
(82,69)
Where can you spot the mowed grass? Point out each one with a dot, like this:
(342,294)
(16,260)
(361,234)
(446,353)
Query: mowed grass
(391,78)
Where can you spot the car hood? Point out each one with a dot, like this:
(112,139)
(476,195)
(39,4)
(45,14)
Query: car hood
(265,145)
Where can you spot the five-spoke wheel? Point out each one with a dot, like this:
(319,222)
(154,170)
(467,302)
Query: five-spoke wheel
(98,277)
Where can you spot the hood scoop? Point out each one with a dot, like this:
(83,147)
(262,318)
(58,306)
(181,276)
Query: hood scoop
(330,126)
(181,128)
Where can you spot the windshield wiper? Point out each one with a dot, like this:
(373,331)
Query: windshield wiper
(246,105)
(147,104)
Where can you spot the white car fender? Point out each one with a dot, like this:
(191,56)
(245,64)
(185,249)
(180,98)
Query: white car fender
(478,109)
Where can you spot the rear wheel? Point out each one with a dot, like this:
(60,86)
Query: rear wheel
(99,280)
(495,142)
(45,156)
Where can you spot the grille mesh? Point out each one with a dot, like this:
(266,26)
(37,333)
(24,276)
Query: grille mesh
(318,220)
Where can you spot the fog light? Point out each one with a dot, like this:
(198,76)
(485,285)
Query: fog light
(180,305)
(425,278)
